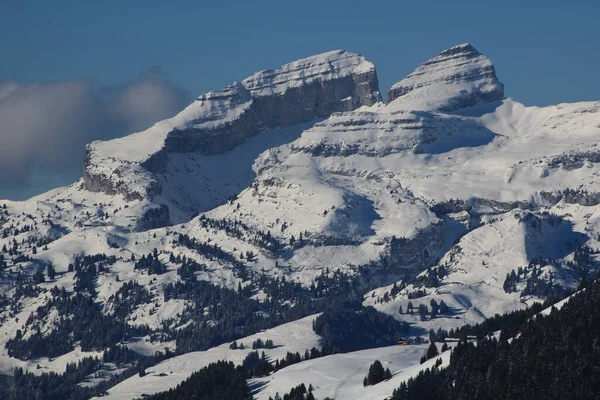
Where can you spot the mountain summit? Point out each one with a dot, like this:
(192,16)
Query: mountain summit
(456,78)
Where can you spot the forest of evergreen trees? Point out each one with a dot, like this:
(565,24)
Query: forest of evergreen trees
(80,320)
(218,381)
(223,380)
(555,356)
(376,374)
(348,328)
(583,266)
(299,392)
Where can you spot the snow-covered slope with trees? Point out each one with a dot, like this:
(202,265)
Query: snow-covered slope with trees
(261,203)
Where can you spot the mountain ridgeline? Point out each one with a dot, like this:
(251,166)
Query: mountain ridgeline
(219,121)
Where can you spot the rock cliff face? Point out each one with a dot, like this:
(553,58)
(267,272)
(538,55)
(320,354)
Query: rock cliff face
(456,78)
(379,132)
(219,121)
(419,114)
(297,92)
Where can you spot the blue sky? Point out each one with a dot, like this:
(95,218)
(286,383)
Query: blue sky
(544,52)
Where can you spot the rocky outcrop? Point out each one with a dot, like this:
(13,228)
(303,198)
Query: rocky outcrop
(478,206)
(569,196)
(221,120)
(295,93)
(413,255)
(574,159)
(456,78)
(115,176)
(379,132)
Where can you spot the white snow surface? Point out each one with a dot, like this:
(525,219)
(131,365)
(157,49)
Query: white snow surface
(119,160)
(340,376)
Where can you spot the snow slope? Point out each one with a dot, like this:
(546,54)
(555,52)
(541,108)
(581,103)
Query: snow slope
(296,336)
(340,376)
(219,121)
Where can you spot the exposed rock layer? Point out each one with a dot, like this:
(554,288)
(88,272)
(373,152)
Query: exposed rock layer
(456,78)
(219,121)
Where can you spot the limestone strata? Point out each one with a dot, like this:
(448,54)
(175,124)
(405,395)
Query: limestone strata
(295,93)
(456,78)
(221,120)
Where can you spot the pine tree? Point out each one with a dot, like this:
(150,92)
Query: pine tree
(388,374)
(376,373)
(443,308)
(38,277)
(432,351)
(51,272)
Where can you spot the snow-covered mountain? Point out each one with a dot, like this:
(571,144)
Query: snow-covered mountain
(449,191)
(456,78)
(146,165)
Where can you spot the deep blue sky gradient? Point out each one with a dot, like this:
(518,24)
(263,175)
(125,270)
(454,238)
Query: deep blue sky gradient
(545,52)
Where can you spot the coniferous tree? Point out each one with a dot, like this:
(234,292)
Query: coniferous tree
(51,272)
(388,374)
(432,351)
(376,374)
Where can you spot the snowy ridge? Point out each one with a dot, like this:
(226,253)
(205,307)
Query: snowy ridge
(476,267)
(379,132)
(331,65)
(340,376)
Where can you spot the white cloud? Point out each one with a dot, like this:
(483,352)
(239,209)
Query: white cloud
(148,100)
(45,127)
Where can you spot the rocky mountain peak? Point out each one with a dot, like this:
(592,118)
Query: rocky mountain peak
(318,68)
(464,48)
(219,121)
(457,77)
